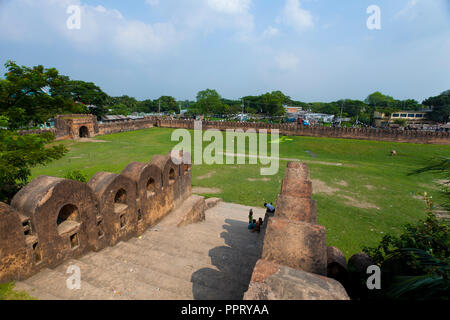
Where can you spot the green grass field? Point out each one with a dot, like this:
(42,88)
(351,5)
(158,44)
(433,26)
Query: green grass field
(362,192)
(7,292)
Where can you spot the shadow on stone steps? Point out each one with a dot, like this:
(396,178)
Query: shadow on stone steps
(248,249)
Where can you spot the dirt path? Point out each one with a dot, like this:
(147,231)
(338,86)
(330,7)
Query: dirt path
(335,164)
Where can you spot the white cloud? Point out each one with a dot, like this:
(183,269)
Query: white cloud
(206,16)
(287,61)
(296,17)
(409,11)
(102,29)
(271,32)
(152,3)
(230,6)
(106,29)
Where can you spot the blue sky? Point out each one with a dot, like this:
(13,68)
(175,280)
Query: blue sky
(312,50)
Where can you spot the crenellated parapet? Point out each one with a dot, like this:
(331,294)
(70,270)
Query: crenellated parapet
(52,220)
(296,261)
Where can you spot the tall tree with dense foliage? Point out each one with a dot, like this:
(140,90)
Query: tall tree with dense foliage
(167,104)
(441,107)
(25,97)
(86,93)
(18,154)
(209,102)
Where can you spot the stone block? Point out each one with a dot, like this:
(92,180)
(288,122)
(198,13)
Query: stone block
(336,265)
(271,281)
(298,209)
(212,202)
(296,244)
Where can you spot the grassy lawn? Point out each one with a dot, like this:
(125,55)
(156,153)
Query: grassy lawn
(7,292)
(362,192)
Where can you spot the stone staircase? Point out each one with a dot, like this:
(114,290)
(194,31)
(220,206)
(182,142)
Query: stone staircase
(213,259)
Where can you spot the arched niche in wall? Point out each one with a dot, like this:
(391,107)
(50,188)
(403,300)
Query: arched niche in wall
(118,211)
(148,180)
(62,213)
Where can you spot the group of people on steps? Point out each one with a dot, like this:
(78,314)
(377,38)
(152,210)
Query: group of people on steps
(255,226)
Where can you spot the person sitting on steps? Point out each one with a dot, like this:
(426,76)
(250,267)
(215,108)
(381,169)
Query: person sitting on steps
(270,207)
(257,226)
(252,225)
(250,216)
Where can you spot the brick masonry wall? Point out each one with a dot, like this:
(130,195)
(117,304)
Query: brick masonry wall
(52,220)
(109,128)
(324,132)
(423,137)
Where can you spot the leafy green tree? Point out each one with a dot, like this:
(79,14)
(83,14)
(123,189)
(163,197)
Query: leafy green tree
(327,108)
(18,154)
(415,265)
(379,100)
(272,103)
(146,106)
(401,122)
(25,98)
(209,102)
(76,175)
(409,104)
(441,107)
(85,92)
(120,109)
(130,102)
(167,104)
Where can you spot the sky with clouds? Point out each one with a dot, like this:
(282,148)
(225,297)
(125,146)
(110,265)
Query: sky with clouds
(312,50)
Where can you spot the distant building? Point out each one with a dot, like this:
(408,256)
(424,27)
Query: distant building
(318,117)
(292,109)
(120,118)
(342,119)
(412,118)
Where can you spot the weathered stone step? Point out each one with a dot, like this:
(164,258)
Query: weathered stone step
(234,268)
(178,215)
(123,265)
(182,270)
(231,210)
(219,213)
(122,284)
(231,228)
(202,242)
(35,292)
(54,282)
(213,259)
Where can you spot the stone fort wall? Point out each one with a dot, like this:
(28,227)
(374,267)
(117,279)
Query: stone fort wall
(407,136)
(79,126)
(52,220)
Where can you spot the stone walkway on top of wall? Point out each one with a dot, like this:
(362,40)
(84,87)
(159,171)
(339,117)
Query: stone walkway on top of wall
(213,259)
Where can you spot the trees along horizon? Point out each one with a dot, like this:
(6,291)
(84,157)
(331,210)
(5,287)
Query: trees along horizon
(24,97)
(31,96)
(441,107)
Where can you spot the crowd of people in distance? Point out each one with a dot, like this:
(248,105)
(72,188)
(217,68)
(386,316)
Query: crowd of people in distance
(255,226)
